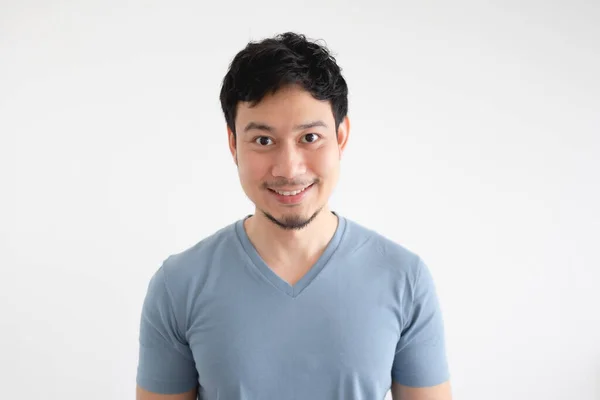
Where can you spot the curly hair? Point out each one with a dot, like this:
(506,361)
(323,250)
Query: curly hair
(264,67)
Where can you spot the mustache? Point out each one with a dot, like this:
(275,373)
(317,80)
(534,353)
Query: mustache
(285,182)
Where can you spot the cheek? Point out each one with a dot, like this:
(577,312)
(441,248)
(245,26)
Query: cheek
(251,168)
(326,165)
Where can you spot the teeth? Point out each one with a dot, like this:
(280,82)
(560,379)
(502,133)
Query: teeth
(295,192)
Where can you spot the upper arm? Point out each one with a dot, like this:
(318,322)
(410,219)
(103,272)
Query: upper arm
(437,392)
(166,364)
(420,358)
(142,394)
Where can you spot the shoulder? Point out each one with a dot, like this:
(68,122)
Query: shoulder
(184,274)
(381,251)
(192,265)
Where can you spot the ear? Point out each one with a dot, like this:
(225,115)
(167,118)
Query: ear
(231,139)
(343,133)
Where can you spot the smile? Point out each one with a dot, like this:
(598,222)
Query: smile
(291,197)
(291,193)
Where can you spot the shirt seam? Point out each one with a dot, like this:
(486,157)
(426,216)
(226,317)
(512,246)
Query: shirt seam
(172,308)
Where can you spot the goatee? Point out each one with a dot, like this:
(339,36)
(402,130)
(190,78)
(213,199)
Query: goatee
(292,222)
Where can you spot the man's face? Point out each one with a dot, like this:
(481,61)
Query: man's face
(285,144)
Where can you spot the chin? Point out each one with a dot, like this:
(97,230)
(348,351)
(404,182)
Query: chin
(292,221)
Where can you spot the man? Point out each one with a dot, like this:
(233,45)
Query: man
(294,301)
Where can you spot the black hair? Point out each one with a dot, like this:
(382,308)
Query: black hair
(264,67)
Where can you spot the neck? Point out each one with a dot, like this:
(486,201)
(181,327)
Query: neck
(290,247)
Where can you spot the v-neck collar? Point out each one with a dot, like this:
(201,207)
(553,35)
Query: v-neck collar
(269,274)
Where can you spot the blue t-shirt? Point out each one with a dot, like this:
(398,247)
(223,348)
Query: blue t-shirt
(217,317)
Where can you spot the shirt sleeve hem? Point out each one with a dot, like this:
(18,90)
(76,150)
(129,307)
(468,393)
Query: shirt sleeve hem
(165,387)
(420,382)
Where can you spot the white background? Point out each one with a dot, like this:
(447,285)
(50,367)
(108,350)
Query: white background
(474,142)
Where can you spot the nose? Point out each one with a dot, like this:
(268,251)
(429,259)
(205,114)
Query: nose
(289,162)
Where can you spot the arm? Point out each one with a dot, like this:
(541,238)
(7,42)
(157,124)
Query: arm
(141,394)
(438,392)
(420,370)
(166,367)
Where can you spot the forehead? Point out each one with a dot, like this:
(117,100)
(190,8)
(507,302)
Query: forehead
(289,106)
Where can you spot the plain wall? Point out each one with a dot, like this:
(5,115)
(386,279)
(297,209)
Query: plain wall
(474,142)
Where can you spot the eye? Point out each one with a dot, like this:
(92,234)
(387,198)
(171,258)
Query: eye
(262,140)
(310,138)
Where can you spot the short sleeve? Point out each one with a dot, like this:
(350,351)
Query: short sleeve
(420,359)
(166,364)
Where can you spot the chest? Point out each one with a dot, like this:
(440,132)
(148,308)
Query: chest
(330,333)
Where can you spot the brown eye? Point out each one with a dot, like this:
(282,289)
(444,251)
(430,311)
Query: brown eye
(310,137)
(262,140)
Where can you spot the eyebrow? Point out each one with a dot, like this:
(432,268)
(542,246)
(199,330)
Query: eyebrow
(264,127)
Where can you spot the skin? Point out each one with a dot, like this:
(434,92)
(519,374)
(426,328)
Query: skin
(141,394)
(286,142)
(438,392)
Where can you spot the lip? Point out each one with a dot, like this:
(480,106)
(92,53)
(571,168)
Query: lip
(291,200)
(291,189)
